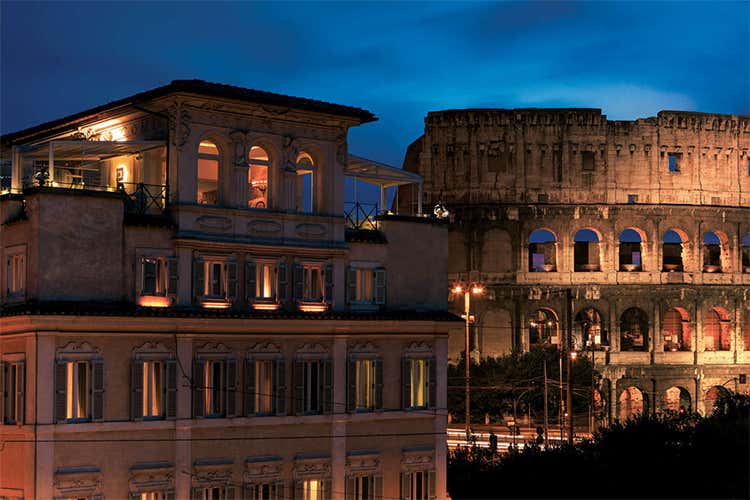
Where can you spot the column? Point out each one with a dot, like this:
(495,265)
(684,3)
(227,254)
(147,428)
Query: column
(45,397)
(185,273)
(183,456)
(339,419)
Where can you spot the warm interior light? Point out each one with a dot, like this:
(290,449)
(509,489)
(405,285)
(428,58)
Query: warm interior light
(265,306)
(153,301)
(313,307)
(216,305)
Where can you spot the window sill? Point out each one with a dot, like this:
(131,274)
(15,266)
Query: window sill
(214,303)
(305,306)
(264,305)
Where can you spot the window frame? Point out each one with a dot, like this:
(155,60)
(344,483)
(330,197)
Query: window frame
(278,387)
(429,371)
(166,276)
(94,398)
(211,157)
(12,390)
(375,384)
(254,162)
(204,267)
(356,285)
(16,283)
(228,390)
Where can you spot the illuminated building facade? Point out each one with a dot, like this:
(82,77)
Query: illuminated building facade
(646,222)
(190,310)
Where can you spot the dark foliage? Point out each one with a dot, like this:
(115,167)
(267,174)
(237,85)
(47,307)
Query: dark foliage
(653,456)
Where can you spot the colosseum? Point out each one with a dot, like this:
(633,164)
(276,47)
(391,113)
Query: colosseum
(644,224)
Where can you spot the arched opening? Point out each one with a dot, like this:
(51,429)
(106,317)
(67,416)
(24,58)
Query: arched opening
(746,331)
(544,328)
(713,395)
(257,178)
(634,330)
(586,251)
(677,399)
(712,253)
(208,173)
(305,183)
(632,403)
(631,251)
(542,251)
(716,330)
(746,253)
(588,328)
(672,251)
(676,330)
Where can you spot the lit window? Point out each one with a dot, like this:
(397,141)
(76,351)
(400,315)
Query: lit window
(215,280)
(208,173)
(264,279)
(315,489)
(419,383)
(257,178)
(264,490)
(364,487)
(158,276)
(265,386)
(366,286)
(154,389)
(313,384)
(215,388)
(79,388)
(16,275)
(305,183)
(418,485)
(12,395)
(313,282)
(150,495)
(674,162)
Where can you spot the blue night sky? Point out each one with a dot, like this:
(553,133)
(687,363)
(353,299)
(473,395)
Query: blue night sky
(399,60)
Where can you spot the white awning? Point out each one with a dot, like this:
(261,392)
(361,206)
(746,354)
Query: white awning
(379,173)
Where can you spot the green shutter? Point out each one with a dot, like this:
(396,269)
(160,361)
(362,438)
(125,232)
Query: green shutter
(328,269)
(173,274)
(231,277)
(249,389)
(231,388)
(97,390)
(136,390)
(61,394)
(327,386)
(432,383)
(351,384)
(280,386)
(299,388)
(20,390)
(250,280)
(199,389)
(283,282)
(199,278)
(170,410)
(351,284)
(378,390)
(405,383)
(379,285)
(298,282)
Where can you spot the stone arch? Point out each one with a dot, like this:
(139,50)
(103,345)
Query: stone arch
(716,257)
(496,333)
(677,399)
(497,251)
(745,249)
(632,242)
(712,397)
(631,402)
(542,246)
(634,330)
(544,327)
(587,249)
(746,330)
(674,250)
(717,330)
(675,327)
(589,323)
(306,192)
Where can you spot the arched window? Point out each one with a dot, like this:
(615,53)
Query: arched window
(305,183)
(208,173)
(631,256)
(542,251)
(632,403)
(634,330)
(543,328)
(588,328)
(677,399)
(716,330)
(713,395)
(672,251)
(257,178)
(586,251)
(746,253)
(711,253)
(676,330)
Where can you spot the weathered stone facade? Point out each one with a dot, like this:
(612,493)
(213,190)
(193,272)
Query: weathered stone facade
(672,314)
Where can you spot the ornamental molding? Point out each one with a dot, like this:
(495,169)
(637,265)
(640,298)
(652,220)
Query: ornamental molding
(312,349)
(363,348)
(74,348)
(213,348)
(151,476)
(264,347)
(417,459)
(77,482)
(149,347)
(363,462)
(312,467)
(418,347)
(263,468)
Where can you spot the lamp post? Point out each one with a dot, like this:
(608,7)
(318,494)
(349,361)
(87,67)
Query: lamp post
(467,291)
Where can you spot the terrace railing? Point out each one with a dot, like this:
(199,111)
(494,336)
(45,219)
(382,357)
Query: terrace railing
(143,198)
(361,216)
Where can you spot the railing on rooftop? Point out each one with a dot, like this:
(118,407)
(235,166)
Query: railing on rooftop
(361,216)
(143,198)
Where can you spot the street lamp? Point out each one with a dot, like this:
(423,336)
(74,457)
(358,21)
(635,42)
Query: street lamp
(467,291)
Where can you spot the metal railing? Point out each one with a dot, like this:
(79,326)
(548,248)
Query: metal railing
(143,198)
(361,216)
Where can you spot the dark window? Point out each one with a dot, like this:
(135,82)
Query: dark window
(557,161)
(674,161)
(632,199)
(587,160)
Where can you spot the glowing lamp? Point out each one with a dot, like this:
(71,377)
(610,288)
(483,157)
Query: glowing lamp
(573,355)
(458,289)
(477,290)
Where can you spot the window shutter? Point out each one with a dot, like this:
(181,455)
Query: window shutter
(250,279)
(250,492)
(134,495)
(279,493)
(61,395)
(351,284)
(380,285)
(231,270)
(283,285)
(351,487)
(280,387)
(136,390)
(405,383)
(329,283)
(231,388)
(3,390)
(378,392)
(299,388)
(148,276)
(298,282)
(351,383)
(197,493)
(172,276)
(406,486)
(171,389)
(199,278)
(249,389)
(230,492)
(97,393)
(432,370)
(326,487)
(299,491)
(431,484)
(169,495)
(199,389)
(378,488)
(327,386)
(20,390)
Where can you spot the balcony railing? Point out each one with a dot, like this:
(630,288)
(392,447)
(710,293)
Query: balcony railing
(143,198)
(361,216)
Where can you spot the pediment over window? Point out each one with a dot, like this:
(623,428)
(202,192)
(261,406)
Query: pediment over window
(73,349)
